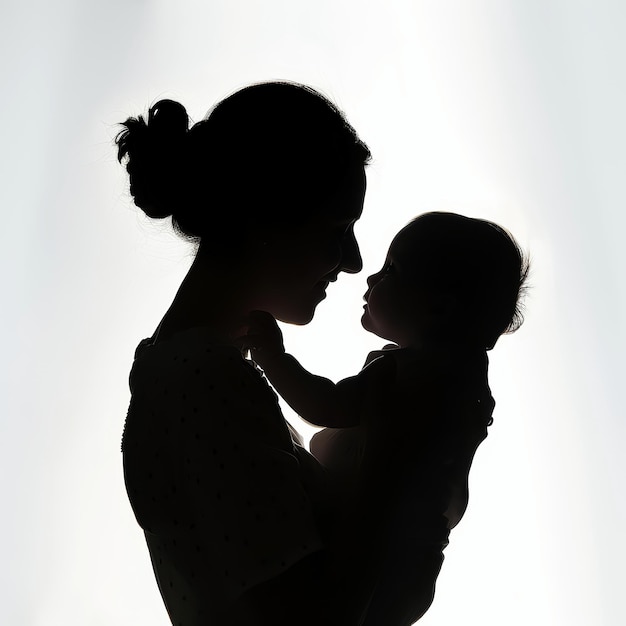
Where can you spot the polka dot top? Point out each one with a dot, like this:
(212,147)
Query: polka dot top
(227,499)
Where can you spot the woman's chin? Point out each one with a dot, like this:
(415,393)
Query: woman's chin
(295,320)
(297,317)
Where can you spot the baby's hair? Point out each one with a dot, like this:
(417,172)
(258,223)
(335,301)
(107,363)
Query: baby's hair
(269,154)
(476,261)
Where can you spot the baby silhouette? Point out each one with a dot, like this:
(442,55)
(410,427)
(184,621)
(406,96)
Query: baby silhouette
(403,432)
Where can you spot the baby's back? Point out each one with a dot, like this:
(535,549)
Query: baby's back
(419,427)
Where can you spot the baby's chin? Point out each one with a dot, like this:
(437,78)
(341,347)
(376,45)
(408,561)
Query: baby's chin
(366,323)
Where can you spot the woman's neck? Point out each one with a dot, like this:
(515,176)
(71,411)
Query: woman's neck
(210,296)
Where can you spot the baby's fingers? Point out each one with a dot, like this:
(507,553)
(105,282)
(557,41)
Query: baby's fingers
(263,322)
(263,332)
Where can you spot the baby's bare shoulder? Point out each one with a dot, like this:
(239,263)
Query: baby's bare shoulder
(376,354)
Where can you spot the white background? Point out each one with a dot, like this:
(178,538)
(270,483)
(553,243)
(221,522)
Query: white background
(512,110)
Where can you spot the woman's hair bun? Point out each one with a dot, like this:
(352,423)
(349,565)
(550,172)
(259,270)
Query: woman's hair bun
(168,117)
(155,151)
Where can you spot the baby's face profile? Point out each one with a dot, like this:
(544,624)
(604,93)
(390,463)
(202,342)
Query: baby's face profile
(395,309)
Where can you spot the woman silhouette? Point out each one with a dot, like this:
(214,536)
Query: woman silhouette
(239,519)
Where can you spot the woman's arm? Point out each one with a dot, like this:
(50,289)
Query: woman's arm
(308,594)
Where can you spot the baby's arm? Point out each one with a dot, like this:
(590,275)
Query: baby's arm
(316,399)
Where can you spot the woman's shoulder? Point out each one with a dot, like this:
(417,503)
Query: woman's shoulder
(195,351)
(195,377)
(190,374)
(190,340)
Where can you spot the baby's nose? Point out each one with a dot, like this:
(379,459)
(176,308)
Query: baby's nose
(366,295)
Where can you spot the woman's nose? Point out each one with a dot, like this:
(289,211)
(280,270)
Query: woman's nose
(351,261)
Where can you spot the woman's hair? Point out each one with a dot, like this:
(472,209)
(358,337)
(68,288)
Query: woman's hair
(269,154)
(477,262)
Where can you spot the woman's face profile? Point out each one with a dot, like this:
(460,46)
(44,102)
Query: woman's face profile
(303,261)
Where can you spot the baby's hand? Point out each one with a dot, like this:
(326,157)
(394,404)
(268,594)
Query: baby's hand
(263,339)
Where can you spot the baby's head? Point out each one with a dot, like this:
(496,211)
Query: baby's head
(447,278)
